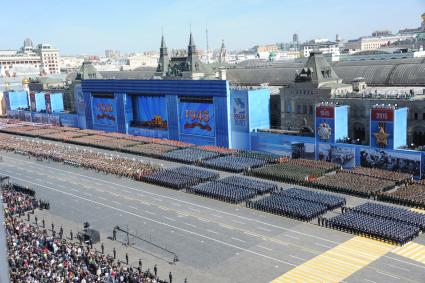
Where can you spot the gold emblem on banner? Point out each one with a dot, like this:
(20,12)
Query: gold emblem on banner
(381,137)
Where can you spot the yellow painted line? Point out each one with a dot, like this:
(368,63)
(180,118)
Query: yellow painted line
(337,263)
(412,251)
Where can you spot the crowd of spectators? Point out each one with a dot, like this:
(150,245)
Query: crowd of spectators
(36,256)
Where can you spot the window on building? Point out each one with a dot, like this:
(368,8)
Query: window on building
(298,109)
(304,109)
(310,109)
(423,116)
(416,116)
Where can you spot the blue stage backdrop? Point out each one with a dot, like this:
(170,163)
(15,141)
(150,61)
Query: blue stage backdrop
(382,128)
(325,123)
(104,111)
(197,119)
(150,112)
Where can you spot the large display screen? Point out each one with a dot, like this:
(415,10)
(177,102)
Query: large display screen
(391,160)
(104,111)
(345,156)
(150,112)
(197,118)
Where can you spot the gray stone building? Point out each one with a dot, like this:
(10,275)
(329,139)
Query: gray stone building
(317,82)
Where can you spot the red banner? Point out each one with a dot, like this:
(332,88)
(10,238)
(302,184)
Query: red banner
(325,111)
(382,114)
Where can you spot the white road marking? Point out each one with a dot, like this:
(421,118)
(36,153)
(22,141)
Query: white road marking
(130,206)
(88,194)
(171,219)
(165,224)
(191,225)
(264,248)
(264,229)
(367,280)
(176,204)
(384,273)
(115,202)
(323,246)
(300,258)
(395,266)
(215,215)
(237,239)
(194,209)
(293,237)
(102,198)
(211,231)
(239,222)
(149,212)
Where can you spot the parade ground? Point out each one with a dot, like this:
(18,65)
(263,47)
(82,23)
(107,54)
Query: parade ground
(212,240)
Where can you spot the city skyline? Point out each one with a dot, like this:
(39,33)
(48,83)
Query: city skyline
(91,27)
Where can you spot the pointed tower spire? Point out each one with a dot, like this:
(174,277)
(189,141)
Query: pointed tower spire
(191,47)
(223,53)
(163,42)
(163,60)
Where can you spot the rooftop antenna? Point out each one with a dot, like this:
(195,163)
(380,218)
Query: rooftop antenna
(208,53)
